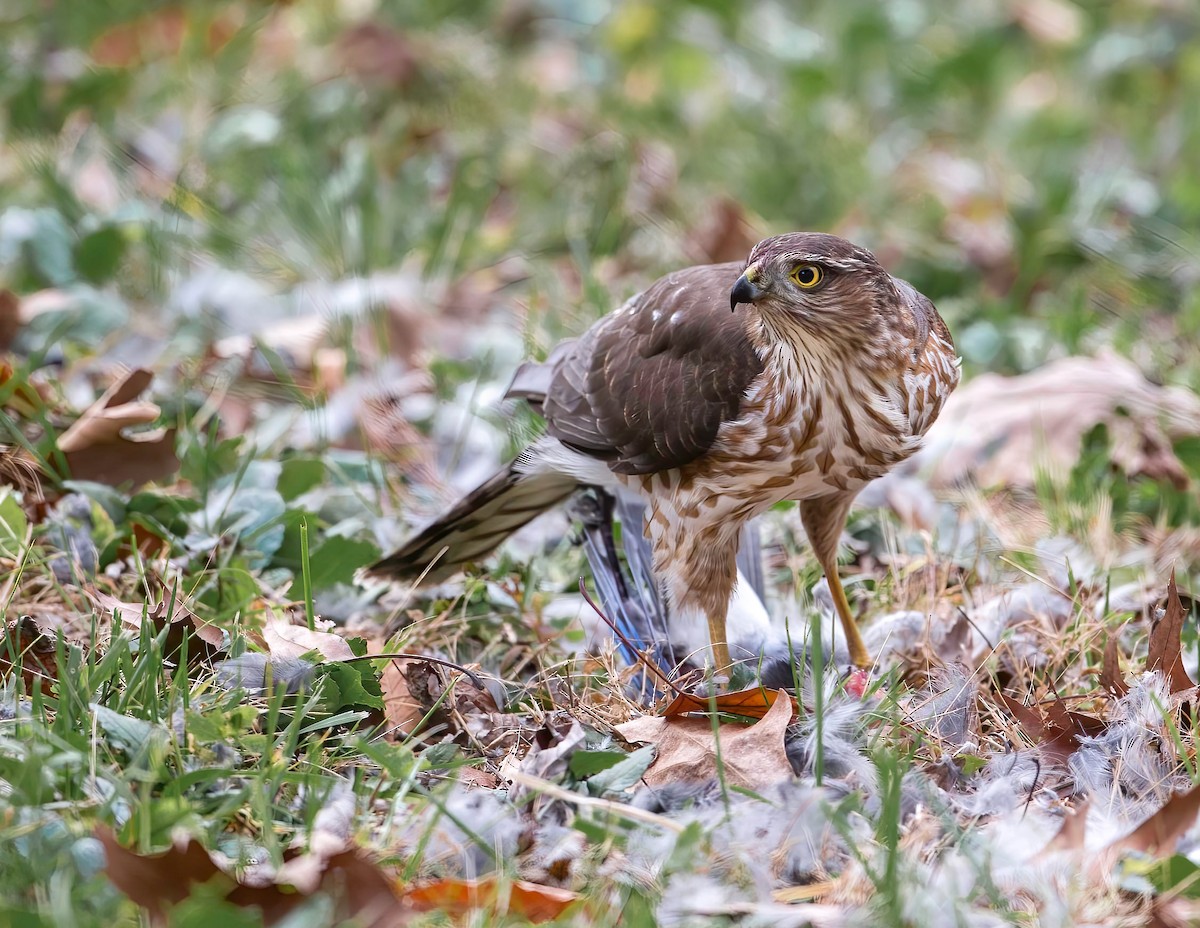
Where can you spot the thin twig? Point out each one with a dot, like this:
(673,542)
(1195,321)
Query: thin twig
(971,622)
(405,656)
(653,668)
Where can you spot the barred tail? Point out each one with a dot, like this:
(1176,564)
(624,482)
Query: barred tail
(476,524)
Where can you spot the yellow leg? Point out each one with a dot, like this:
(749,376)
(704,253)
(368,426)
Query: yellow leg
(824,517)
(720,647)
(858,651)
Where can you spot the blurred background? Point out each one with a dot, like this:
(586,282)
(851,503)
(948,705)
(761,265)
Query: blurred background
(344,221)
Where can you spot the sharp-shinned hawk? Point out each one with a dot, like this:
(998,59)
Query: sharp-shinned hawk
(830,376)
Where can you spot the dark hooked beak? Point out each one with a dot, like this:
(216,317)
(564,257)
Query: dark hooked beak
(744,291)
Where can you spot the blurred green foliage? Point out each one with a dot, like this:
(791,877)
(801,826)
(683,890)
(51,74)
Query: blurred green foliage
(1024,163)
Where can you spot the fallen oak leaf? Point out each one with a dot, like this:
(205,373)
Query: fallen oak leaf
(286,640)
(1165,643)
(1060,718)
(753,756)
(532,901)
(1057,732)
(113,411)
(1111,677)
(754,702)
(403,708)
(1159,833)
(997,430)
(157,882)
(96,449)
(183,622)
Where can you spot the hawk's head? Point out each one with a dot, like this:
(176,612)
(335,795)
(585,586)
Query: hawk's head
(820,283)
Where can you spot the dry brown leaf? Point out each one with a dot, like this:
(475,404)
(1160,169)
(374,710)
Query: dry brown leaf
(1057,730)
(95,448)
(1111,677)
(37,653)
(286,640)
(159,881)
(10,318)
(997,431)
(1158,835)
(1165,643)
(125,460)
(401,709)
(183,621)
(473,777)
(753,755)
(114,410)
(753,703)
(531,901)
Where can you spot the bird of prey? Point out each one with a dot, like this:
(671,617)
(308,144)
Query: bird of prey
(717,392)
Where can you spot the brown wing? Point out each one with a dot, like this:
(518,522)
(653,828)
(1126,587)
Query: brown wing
(648,386)
(934,370)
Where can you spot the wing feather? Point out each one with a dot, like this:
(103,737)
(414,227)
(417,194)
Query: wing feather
(648,387)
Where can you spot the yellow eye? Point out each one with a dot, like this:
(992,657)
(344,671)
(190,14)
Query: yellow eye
(808,276)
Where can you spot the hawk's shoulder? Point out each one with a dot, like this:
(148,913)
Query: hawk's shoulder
(648,386)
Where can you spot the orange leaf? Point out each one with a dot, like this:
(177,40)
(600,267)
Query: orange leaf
(753,703)
(458,897)
(23,399)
